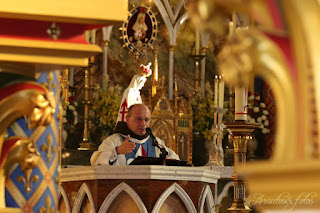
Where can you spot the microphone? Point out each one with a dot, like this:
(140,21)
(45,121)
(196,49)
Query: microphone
(154,141)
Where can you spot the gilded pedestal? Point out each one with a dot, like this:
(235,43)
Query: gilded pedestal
(241,133)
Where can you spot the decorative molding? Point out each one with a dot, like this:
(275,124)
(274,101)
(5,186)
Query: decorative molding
(84,190)
(64,196)
(225,171)
(206,194)
(139,172)
(116,191)
(180,192)
(224,192)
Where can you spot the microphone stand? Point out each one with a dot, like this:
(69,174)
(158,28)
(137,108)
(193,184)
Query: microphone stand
(163,151)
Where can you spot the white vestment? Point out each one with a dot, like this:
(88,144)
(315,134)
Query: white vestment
(106,152)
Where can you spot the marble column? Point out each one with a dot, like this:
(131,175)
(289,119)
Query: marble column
(170,77)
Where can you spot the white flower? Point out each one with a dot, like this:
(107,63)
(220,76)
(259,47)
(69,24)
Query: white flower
(251,98)
(263,117)
(252,120)
(64,112)
(263,105)
(256,109)
(249,106)
(265,130)
(257,97)
(75,121)
(265,112)
(71,107)
(261,126)
(75,103)
(248,117)
(75,113)
(64,120)
(259,120)
(266,123)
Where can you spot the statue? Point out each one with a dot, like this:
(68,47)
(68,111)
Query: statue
(131,95)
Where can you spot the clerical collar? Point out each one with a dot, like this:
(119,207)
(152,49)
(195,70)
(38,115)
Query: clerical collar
(123,129)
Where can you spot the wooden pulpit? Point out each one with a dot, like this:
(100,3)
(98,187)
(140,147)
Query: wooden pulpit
(138,188)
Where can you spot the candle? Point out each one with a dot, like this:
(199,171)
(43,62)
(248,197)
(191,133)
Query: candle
(241,102)
(230,29)
(216,89)
(197,45)
(221,92)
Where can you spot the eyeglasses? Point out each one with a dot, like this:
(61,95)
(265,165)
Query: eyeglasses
(139,120)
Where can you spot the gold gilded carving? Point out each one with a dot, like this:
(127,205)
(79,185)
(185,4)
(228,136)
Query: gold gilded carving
(21,151)
(43,112)
(48,208)
(210,15)
(48,148)
(250,52)
(15,103)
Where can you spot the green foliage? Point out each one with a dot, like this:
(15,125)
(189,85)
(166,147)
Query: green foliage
(106,103)
(203,112)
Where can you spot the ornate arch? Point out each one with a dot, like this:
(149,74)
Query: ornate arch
(116,191)
(224,192)
(84,190)
(175,188)
(64,196)
(164,124)
(206,194)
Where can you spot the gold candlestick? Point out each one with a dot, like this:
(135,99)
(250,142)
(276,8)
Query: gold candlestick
(241,133)
(86,144)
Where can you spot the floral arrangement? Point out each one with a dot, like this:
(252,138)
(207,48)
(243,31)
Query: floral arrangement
(106,103)
(258,113)
(70,115)
(203,112)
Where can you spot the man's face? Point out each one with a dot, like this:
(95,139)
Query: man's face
(139,120)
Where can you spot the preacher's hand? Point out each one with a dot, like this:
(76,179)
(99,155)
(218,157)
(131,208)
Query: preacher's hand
(126,147)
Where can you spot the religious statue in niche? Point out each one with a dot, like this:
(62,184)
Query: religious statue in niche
(139,30)
(131,95)
(183,146)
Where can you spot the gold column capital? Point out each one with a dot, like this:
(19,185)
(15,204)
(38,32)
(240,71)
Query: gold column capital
(171,47)
(203,50)
(105,43)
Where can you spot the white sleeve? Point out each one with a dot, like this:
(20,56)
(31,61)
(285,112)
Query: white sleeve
(106,152)
(171,153)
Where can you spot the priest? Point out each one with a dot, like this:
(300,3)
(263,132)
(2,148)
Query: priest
(130,140)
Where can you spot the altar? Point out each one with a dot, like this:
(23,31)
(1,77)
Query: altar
(138,189)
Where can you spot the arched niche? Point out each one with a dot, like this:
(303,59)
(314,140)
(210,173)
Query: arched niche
(123,199)
(84,200)
(63,205)
(206,201)
(164,130)
(174,199)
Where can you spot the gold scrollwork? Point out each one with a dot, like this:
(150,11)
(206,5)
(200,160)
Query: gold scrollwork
(25,153)
(38,111)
